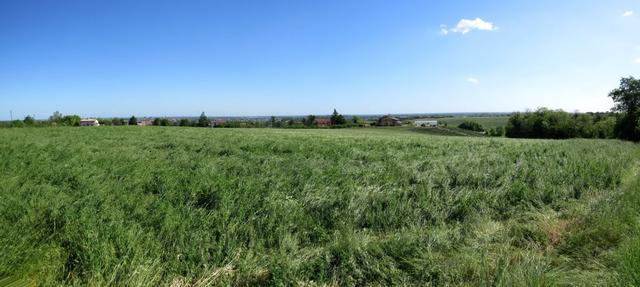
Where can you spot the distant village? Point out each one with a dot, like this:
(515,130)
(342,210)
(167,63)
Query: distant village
(335,120)
(312,121)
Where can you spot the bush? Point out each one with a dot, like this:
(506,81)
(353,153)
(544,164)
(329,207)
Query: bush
(472,126)
(496,132)
(71,120)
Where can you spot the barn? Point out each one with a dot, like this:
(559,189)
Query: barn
(388,121)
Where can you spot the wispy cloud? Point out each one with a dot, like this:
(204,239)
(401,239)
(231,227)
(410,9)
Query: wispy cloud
(473,80)
(465,26)
(637,61)
(444,30)
(627,13)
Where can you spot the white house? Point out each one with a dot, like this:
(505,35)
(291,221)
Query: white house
(425,123)
(89,123)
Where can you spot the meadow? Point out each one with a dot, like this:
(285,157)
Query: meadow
(149,206)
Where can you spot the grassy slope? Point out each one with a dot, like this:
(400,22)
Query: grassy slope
(148,206)
(447,131)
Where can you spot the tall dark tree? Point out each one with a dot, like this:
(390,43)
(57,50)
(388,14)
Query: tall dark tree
(133,121)
(203,121)
(627,102)
(337,119)
(56,117)
(29,121)
(309,120)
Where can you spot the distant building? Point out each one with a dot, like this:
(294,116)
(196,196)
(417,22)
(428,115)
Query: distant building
(322,122)
(89,123)
(426,123)
(388,121)
(216,123)
(145,122)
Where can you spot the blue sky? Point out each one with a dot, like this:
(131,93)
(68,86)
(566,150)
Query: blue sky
(233,58)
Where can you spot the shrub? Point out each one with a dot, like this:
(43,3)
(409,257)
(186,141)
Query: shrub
(472,126)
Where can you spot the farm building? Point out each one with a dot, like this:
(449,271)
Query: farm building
(89,123)
(145,122)
(322,122)
(425,123)
(388,121)
(216,123)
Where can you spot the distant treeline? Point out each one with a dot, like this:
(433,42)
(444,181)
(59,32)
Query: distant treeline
(335,120)
(623,122)
(557,124)
(57,119)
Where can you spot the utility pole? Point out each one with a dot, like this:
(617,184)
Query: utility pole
(11,114)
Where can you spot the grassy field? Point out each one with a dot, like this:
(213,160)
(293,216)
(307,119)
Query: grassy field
(198,207)
(446,131)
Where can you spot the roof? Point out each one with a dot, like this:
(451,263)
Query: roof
(322,121)
(389,117)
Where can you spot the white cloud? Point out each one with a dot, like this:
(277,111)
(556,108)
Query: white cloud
(637,61)
(465,26)
(474,81)
(627,13)
(444,30)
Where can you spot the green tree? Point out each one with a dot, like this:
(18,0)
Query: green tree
(29,121)
(309,120)
(133,121)
(56,117)
(337,119)
(105,122)
(203,121)
(17,124)
(185,123)
(627,102)
(71,120)
(605,127)
(472,126)
(558,124)
(117,121)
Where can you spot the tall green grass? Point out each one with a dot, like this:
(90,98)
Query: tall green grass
(160,206)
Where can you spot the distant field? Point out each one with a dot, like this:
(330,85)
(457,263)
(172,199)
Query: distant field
(192,206)
(487,122)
